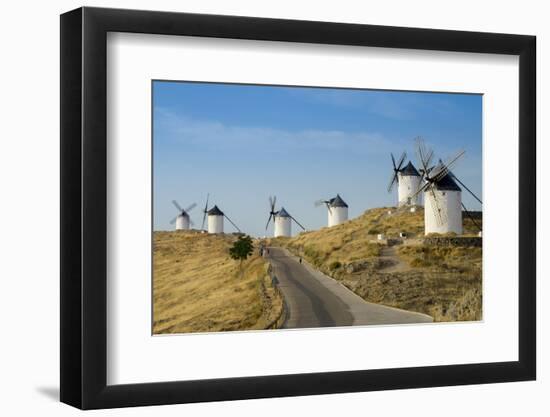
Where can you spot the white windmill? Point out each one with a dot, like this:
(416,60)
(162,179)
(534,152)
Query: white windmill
(442,196)
(282,220)
(337,210)
(408,182)
(215,218)
(182,220)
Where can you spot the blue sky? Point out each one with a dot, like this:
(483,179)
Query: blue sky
(242,143)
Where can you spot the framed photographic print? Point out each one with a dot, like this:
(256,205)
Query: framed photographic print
(258,207)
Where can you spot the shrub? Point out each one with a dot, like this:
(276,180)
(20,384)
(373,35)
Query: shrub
(335,265)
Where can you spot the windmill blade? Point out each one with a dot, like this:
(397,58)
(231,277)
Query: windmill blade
(268,220)
(423,153)
(435,207)
(191,207)
(329,209)
(203,220)
(420,147)
(401,160)
(429,156)
(274,203)
(467,189)
(420,189)
(441,219)
(178,207)
(445,168)
(438,169)
(470,216)
(298,223)
(319,202)
(173,220)
(393,181)
(204,211)
(393,162)
(234,225)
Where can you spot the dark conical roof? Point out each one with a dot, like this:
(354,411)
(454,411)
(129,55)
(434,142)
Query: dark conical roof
(282,213)
(337,202)
(447,183)
(409,170)
(215,211)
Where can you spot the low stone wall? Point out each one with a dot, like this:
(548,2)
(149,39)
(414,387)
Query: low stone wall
(454,241)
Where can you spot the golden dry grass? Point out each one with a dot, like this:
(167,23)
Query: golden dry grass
(197,287)
(456,272)
(444,282)
(344,243)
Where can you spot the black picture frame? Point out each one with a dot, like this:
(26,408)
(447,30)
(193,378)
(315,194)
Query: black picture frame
(84,207)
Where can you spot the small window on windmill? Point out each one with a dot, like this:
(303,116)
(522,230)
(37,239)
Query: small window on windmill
(443,193)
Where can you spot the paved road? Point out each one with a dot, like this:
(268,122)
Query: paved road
(316,300)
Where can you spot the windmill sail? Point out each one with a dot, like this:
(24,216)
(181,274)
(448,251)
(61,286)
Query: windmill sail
(272,212)
(396,169)
(439,214)
(471,217)
(296,221)
(234,225)
(181,211)
(178,207)
(443,169)
(205,211)
(325,202)
(191,207)
(467,189)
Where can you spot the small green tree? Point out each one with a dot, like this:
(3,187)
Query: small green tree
(241,249)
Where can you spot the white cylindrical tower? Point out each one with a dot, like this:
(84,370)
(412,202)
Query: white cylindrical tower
(338,212)
(408,183)
(448,201)
(182,222)
(215,220)
(282,224)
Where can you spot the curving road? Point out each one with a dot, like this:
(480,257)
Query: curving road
(316,300)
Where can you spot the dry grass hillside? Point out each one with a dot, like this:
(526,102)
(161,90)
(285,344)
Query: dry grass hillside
(442,281)
(197,287)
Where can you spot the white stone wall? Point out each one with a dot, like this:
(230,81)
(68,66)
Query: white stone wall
(282,226)
(182,222)
(450,204)
(215,224)
(407,185)
(337,215)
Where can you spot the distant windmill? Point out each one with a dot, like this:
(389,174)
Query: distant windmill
(182,220)
(215,218)
(442,195)
(408,181)
(282,220)
(337,210)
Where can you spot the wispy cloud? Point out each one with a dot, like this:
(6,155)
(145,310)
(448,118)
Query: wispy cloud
(214,135)
(400,106)
(370,101)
